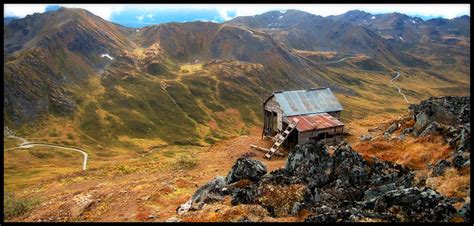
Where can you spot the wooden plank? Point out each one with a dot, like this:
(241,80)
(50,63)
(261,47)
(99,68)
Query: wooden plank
(264,150)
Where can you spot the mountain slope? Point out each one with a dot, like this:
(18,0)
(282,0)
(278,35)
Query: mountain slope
(305,31)
(195,83)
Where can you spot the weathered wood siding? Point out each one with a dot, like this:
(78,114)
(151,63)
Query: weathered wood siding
(305,137)
(273,106)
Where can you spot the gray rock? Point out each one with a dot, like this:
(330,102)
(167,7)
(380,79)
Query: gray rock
(173,219)
(378,191)
(432,129)
(366,137)
(246,168)
(297,207)
(440,167)
(311,163)
(401,136)
(205,194)
(407,130)
(458,161)
(465,211)
(246,195)
(392,128)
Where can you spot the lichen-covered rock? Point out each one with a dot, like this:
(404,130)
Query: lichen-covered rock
(205,194)
(465,211)
(246,195)
(342,187)
(392,128)
(349,166)
(432,129)
(415,204)
(246,168)
(311,162)
(366,137)
(440,167)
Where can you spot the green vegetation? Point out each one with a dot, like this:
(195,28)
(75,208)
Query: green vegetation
(186,102)
(124,169)
(15,206)
(186,162)
(54,133)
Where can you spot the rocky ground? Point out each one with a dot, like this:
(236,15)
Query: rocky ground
(322,185)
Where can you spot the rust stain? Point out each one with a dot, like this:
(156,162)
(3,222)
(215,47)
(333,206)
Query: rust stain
(315,122)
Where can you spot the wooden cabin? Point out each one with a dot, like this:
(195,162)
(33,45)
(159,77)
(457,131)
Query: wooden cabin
(316,110)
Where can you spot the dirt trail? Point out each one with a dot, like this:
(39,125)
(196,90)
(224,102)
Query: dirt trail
(337,61)
(26,145)
(399,90)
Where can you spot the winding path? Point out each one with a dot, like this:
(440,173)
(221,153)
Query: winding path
(25,145)
(399,90)
(391,80)
(337,61)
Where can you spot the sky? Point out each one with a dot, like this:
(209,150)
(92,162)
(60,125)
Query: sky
(140,15)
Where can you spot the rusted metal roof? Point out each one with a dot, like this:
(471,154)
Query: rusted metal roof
(315,122)
(311,101)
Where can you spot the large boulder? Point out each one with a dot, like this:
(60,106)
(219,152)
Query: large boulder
(416,204)
(310,162)
(246,168)
(212,191)
(449,110)
(349,166)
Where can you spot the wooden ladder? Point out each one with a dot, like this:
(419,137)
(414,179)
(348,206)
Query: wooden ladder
(281,137)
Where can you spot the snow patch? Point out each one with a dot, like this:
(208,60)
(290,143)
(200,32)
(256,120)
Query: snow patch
(400,38)
(107,55)
(413,21)
(137,30)
(373,17)
(282,11)
(280,17)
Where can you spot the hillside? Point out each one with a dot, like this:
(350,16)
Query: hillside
(191,68)
(154,186)
(159,98)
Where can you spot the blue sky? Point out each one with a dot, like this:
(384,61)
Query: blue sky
(140,15)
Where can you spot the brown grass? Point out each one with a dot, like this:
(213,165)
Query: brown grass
(452,184)
(415,153)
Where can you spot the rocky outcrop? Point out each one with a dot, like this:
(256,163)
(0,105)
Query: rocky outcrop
(448,117)
(246,168)
(207,193)
(339,187)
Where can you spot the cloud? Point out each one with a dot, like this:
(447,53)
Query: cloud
(22,10)
(448,11)
(229,11)
(140,18)
(101,10)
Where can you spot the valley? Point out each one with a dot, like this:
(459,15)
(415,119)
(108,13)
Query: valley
(112,123)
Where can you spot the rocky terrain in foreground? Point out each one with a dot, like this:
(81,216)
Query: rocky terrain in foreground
(319,185)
